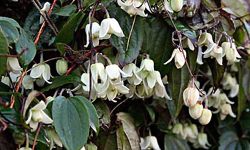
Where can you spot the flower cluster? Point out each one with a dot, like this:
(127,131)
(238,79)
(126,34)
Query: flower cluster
(213,50)
(221,102)
(108,27)
(134,7)
(108,82)
(192,99)
(190,133)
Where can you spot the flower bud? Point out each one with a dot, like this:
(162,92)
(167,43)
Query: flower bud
(61,66)
(190,96)
(178,129)
(195,111)
(176,5)
(205,116)
(202,141)
(226,109)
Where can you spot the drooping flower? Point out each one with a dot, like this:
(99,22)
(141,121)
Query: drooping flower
(178,129)
(189,133)
(173,5)
(95,34)
(133,7)
(149,142)
(54,137)
(114,72)
(215,51)
(179,58)
(205,116)
(230,83)
(13,65)
(226,109)
(231,52)
(202,141)
(195,111)
(37,115)
(108,27)
(132,72)
(41,70)
(28,82)
(45,8)
(98,72)
(61,66)
(190,96)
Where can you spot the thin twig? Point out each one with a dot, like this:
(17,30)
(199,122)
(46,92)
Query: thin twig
(36,136)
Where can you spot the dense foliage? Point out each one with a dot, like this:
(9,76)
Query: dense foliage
(125,74)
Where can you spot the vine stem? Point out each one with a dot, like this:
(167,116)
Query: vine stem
(42,28)
(130,33)
(36,136)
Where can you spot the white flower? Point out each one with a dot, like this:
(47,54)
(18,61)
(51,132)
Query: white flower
(232,54)
(133,7)
(95,34)
(202,141)
(114,72)
(176,5)
(14,76)
(54,137)
(226,109)
(28,82)
(205,39)
(215,51)
(61,66)
(37,115)
(179,58)
(195,111)
(178,129)
(45,8)
(131,71)
(41,70)
(189,133)
(83,148)
(13,65)
(98,72)
(190,96)
(6,80)
(110,26)
(230,83)
(149,142)
(205,116)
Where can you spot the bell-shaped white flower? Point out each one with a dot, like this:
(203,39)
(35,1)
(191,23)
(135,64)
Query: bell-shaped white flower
(110,26)
(215,51)
(176,5)
(133,7)
(178,129)
(205,116)
(114,72)
(95,34)
(230,83)
(28,82)
(54,137)
(226,109)
(41,70)
(45,8)
(85,81)
(205,39)
(190,96)
(202,141)
(37,115)
(13,65)
(149,142)
(231,52)
(132,72)
(6,80)
(14,76)
(179,58)
(98,72)
(195,111)
(188,132)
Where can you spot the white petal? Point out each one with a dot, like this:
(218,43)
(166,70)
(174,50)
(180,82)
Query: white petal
(234,91)
(116,28)
(151,79)
(46,119)
(104,29)
(113,71)
(37,70)
(29,117)
(14,64)
(40,106)
(33,125)
(46,74)
(199,56)
(85,81)
(28,82)
(172,56)
(210,48)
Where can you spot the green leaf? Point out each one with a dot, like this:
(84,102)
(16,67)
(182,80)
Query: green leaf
(61,47)
(66,34)
(151,112)
(228,140)
(157,43)
(245,120)
(10,31)
(11,21)
(129,129)
(106,141)
(122,140)
(171,143)
(27,45)
(93,117)
(3,50)
(61,81)
(129,46)
(102,111)
(65,11)
(178,82)
(71,120)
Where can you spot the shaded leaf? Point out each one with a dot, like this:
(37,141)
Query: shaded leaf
(11,21)
(226,142)
(61,81)
(129,129)
(102,111)
(171,142)
(107,141)
(10,31)
(27,45)
(122,140)
(66,10)
(3,50)
(66,34)
(128,47)
(71,120)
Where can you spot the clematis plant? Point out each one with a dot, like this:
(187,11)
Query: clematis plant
(41,71)
(95,34)
(149,142)
(179,57)
(108,27)
(134,7)
(37,115)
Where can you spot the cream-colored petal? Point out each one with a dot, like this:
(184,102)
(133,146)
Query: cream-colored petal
(116,28)
(104,29)
(46,74)
(40,106)
(45,118)
(37,70)
(172,56)
(113,71)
